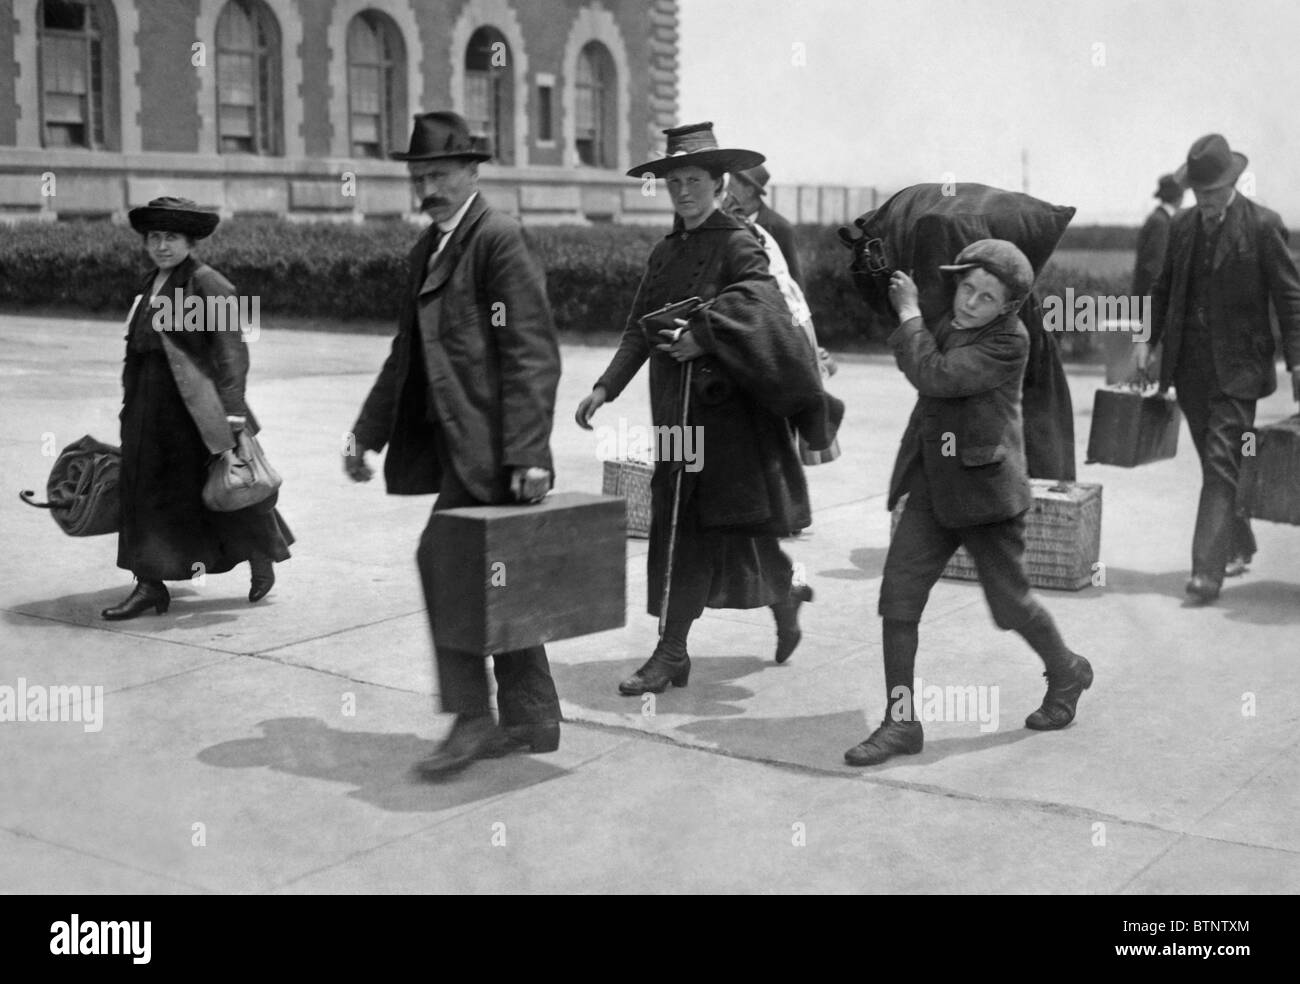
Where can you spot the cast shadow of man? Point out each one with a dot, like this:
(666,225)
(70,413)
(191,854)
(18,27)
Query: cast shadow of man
(1244,600)
(378,765)
(712,691)
(868,563)
(818,741)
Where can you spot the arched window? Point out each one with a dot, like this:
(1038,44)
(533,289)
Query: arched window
(78,58)
(248,80)
(376,84)
(489,102)
(595,125)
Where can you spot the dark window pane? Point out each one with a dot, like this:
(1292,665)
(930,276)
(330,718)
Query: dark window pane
(63,15)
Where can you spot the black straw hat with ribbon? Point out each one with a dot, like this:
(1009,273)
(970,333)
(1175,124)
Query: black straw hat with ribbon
(695,146)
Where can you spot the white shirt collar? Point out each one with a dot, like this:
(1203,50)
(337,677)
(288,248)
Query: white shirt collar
(448,226)
(1171,210)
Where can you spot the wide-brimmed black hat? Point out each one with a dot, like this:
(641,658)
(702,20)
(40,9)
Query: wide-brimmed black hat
(168,214)
(1211,164)
(443,135)
(695,146)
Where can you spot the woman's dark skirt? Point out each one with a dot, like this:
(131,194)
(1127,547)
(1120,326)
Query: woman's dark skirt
(711,568)
(167,534)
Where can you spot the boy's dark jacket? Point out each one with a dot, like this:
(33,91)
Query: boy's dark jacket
(966,427)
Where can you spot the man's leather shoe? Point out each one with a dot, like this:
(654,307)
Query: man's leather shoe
(535,738)
(655,675)
(471,737)
(1202,589)
(1237,566)
(890,739)
(263,578)
(788,632)
(1065,685)
(146,595)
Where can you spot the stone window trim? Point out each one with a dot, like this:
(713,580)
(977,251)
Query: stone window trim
(401,15)
(121,104)
(594,23)
(499,16)
(289,22)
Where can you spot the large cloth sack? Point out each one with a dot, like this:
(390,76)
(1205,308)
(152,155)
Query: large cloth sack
(82,490)
(927,225)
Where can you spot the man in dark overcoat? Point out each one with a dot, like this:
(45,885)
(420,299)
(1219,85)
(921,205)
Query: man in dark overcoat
(465,404)
(1153,237)
(749,190)
(1227,261)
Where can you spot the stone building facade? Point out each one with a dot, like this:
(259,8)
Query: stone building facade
(290,107)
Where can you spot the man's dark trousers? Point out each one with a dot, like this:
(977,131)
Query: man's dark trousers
(1217,423)
(525,691)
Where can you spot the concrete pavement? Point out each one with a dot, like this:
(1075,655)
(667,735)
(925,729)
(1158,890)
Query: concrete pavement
(267,748)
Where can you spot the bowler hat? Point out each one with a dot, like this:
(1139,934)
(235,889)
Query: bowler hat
(695,146)
(443,135)
(1170,189)
(999,257)
(1211,164)
(756,177)
(170,214)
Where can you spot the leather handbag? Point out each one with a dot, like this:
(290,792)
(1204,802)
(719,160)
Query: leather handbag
(82,490)
(240,477)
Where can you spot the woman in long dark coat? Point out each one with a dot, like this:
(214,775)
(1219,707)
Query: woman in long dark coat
(754,381)
(168,438)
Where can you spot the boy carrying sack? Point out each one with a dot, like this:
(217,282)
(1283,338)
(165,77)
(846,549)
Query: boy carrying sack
(962,466)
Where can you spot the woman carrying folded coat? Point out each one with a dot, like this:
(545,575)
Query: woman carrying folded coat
(755,381)
(184,403)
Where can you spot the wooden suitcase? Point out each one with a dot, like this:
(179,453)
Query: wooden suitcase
(1269,487)
(1062,536)
(1130,429)
(512,576)
(631,480)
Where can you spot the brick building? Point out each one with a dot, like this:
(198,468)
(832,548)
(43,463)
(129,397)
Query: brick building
(289,107)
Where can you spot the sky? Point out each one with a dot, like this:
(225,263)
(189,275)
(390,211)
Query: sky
(1097,97)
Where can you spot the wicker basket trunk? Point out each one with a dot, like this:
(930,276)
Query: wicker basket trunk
(1062,536)
(631,481)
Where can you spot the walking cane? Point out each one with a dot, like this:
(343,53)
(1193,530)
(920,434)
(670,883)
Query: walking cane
(677,501)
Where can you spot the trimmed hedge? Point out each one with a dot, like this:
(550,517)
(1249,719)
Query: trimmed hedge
(356,272)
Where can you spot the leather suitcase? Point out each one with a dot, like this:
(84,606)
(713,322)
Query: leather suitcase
(1269,487)
(512,576)
(1130,429)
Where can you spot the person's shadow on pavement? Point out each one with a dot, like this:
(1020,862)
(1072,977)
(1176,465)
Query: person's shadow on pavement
(189,610)
(711,692)
(819,741)
(868,563)
(378,765)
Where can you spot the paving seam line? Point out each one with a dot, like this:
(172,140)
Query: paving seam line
(28,835)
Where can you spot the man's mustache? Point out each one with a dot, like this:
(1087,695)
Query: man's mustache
(433,201)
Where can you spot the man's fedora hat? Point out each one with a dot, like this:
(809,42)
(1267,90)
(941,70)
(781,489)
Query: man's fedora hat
(756,177)
(169,214)
(443,135)
(1210,165)
(695,146)
(1169,189)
